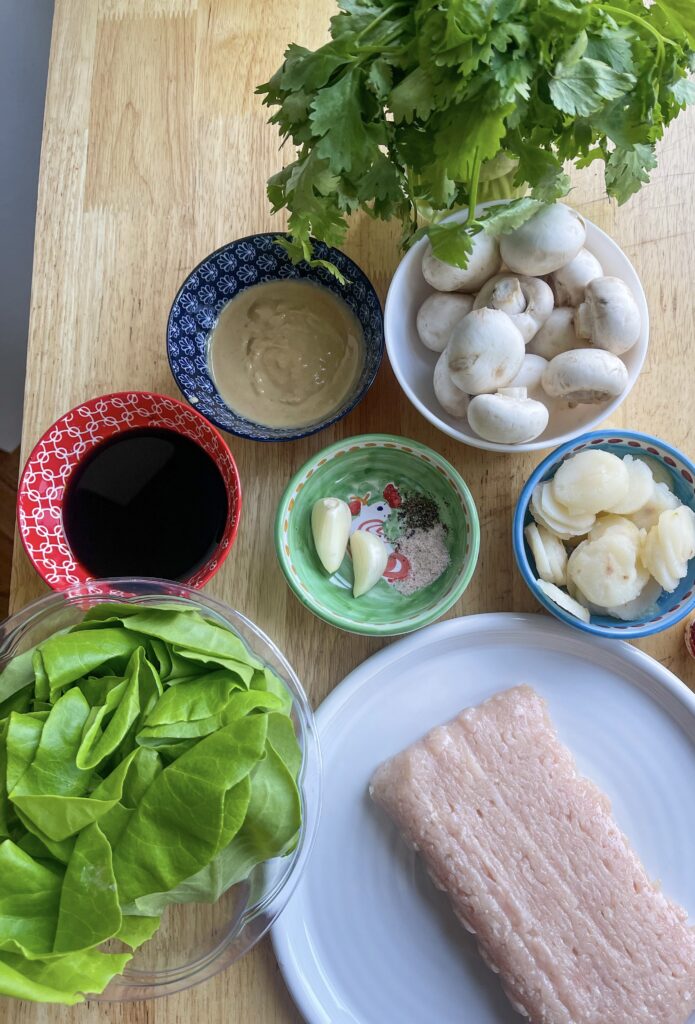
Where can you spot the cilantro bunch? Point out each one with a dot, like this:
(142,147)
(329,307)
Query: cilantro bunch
(414,104)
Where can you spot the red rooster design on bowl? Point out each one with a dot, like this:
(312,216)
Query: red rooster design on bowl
(371,515)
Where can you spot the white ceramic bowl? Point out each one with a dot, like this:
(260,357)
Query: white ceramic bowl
(413,364)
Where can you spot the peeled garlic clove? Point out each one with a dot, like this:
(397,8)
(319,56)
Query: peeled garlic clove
(559,597)
(331,520)
(578,523)
(591,481)
(639,489)
(612,523)
(607,571)
(548,553)
(369,558)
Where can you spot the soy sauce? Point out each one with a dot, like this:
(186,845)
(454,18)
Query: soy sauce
(148,502)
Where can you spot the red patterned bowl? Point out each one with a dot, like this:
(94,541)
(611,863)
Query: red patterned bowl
(63,447)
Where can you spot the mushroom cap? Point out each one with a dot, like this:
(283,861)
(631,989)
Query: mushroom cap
(506,419)
(452,399)
(531,373)
(545,242)
(483,261)
(569,282)
(485,351)
(609,315)
(528,301)
(585,376)
(438,315)
(557,334)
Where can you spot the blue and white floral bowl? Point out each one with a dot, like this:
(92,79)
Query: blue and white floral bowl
(679,470)
(228,271)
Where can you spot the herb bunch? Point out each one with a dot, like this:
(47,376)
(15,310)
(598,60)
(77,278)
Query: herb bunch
(414,104)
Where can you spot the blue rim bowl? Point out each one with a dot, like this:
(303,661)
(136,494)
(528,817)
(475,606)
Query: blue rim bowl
(225,273)
(671,608)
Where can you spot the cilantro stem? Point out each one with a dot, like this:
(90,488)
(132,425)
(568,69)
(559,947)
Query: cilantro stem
(618,13)
(473,190)
(387,12)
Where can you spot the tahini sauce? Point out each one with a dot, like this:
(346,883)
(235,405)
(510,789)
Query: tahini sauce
(286,353)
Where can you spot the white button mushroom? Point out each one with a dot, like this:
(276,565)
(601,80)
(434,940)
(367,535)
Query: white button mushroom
(485,352)
(585,376)
(569,282)
(545,242)
(609,316)
(527,301)
(483,261)
(556,335)
(438,315)
(452,399)
(531,373)
(509,417)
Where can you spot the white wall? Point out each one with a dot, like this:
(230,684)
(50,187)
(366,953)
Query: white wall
(25,33)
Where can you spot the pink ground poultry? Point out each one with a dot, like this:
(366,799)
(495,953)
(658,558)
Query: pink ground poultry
(534,865)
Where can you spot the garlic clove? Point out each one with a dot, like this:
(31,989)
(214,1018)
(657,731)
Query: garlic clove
(331,520)
(369,558)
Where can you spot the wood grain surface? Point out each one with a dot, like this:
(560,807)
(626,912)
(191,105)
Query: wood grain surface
(155,152)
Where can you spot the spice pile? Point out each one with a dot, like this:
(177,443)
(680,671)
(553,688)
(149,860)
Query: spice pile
(419,538)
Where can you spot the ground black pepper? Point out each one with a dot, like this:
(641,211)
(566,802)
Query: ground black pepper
(418,512)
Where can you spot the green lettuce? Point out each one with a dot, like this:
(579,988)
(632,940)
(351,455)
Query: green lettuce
(146,758)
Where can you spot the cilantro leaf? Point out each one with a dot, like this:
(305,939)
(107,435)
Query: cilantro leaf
(499,220)
(583,86)
(451,242)
(346,141)
(683,91)
(681,13)
(627,169)
(613,47)
(413,96)
(468,132)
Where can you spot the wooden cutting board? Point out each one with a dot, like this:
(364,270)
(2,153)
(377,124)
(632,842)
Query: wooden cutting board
(156,152)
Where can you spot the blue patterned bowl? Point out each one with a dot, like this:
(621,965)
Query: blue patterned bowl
(228,271)
(679,470)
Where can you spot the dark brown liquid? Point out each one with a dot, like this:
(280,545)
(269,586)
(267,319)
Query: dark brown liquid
(145,503)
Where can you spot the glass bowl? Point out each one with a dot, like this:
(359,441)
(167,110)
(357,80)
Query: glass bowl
(195,941)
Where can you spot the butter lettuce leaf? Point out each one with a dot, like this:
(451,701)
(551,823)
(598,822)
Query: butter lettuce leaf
(146,758)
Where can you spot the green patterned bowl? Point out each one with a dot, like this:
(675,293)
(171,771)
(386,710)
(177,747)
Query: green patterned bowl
(394,487)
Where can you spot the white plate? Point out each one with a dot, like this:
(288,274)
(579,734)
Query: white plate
(413,364)
(366,939)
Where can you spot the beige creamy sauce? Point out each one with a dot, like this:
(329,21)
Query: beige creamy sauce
(286,353)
